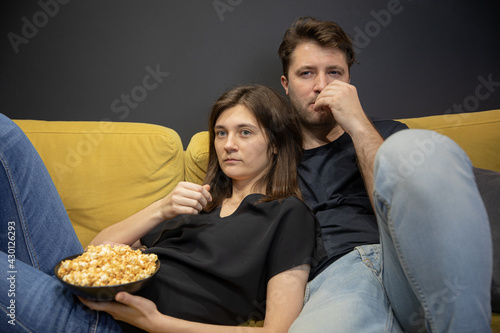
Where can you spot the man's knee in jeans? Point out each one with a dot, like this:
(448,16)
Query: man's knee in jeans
(412,154)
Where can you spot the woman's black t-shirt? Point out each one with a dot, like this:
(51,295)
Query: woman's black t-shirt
(215,270)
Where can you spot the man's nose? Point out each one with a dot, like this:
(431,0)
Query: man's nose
(320,83)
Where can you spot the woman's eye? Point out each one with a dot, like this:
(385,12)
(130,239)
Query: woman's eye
(220,133)
(246,132)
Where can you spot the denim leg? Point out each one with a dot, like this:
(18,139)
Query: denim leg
(32,301)
(435,236)
(348,296)
(40,228)
(36,233)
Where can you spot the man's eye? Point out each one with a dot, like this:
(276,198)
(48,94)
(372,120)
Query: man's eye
(306,73)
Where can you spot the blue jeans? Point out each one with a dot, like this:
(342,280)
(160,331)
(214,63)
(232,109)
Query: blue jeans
(432,269)
(36,233)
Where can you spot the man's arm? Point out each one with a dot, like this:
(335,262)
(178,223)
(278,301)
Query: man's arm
(343,101)
(367,141)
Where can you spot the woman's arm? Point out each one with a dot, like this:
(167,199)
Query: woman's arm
(285,295)
(185,198)
(285,298)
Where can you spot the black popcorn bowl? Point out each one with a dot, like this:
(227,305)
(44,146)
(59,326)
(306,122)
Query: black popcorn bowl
(104,293)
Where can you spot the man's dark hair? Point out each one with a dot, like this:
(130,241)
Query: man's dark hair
(310,29)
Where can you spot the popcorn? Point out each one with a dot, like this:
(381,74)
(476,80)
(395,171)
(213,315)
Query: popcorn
(106,265)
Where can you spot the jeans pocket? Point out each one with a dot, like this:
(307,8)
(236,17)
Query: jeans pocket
(371,255)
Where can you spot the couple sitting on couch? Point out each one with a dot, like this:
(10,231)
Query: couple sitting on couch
(351,173)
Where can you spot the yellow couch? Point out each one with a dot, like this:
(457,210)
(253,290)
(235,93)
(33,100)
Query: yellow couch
(106,171)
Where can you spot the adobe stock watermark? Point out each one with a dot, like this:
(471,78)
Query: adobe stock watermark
(484,89)
(438,302)
(75,154)
(381,19)
(11,272)
(223,6)
(93,138)
(138,94)
(425,147)
(48,10)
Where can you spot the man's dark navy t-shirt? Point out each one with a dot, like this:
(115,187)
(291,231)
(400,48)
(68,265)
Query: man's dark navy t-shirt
(332,186)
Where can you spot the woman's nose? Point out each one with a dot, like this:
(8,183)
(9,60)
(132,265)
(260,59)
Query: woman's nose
(230,143)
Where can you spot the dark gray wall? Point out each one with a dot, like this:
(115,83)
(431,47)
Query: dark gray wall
(79,60)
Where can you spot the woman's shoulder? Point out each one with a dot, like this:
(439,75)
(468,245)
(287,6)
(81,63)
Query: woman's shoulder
(295,204)
(293,200)
(288,205)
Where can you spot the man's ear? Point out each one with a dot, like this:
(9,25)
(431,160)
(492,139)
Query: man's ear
(284,83)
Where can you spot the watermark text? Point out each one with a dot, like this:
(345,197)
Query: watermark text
(12,272)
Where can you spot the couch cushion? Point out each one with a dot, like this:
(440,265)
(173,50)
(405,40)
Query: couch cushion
(196,158)
(488,183)
(478,133)
(106,171)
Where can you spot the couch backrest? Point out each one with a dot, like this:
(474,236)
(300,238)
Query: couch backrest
(106,171)
(478,134)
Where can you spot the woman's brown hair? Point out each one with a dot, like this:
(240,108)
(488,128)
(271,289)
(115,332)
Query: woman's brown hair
(275,116)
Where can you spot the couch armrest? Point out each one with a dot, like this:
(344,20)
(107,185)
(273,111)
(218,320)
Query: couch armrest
(196,158)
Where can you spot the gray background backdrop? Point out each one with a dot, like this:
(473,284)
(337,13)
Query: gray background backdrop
(79,60)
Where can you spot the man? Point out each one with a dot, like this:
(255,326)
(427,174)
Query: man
(395,210)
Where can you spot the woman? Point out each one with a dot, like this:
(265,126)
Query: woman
(229,249)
